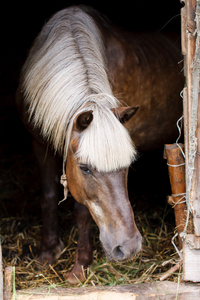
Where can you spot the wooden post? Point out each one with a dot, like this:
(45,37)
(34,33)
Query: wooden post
(8,278)
(190,28)
(176,167)
(192,112)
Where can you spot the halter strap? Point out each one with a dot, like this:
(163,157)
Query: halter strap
(63,181)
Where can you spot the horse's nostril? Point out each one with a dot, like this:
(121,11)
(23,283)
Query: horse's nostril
(118,253)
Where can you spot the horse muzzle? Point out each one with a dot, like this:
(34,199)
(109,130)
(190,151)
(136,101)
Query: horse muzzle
(123,248)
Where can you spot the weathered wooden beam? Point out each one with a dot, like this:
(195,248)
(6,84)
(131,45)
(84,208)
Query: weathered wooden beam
(195,187)
(191,49)
(164,290)
(8,276)
(192,111)
(191,259)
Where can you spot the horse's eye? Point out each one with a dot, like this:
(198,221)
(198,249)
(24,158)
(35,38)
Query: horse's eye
(85,169)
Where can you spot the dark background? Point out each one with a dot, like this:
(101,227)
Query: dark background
(21,22)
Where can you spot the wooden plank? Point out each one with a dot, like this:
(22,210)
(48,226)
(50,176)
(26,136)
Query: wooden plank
(183,30)
(191,260)
(186,131)
(189,28)
(90,296)
(192,132)
(8,275)
(158,290)
(190,48)
(195,191)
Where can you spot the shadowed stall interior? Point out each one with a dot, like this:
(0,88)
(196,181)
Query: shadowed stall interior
(148,182)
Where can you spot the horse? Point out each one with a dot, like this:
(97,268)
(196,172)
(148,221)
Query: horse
(92,96)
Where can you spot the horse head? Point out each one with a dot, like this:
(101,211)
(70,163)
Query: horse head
(103,190)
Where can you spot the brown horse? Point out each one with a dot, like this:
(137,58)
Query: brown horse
(76,68)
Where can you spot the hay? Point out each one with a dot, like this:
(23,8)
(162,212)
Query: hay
(20,228)
(19,249)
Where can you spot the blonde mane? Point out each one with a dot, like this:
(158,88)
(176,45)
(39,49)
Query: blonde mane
(63,72)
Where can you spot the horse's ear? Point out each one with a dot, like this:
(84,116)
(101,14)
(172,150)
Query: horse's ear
(83,120)
(125,113)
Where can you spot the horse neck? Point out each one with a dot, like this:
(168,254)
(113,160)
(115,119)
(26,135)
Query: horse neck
(138,49)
